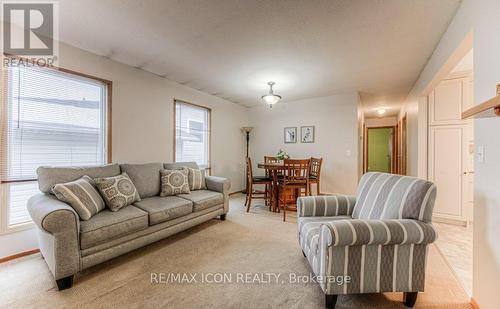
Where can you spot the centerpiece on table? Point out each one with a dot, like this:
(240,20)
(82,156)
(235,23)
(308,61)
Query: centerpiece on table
(282,155)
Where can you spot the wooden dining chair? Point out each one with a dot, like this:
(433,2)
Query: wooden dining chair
(315,174)
(256,180)
(294,180)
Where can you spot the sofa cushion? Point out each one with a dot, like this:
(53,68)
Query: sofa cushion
(174,182)
(108,225)
(48,176)
(180,165)
(117,191)
(203,199)
(162,209)
(81,195)
(146,177)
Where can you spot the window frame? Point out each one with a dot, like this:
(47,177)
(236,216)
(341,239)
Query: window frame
(177,101)
(5,228)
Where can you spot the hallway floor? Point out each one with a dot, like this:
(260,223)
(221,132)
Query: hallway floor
(455,243)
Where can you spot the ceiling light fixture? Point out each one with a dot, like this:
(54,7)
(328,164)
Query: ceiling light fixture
(271,98)
(381,111)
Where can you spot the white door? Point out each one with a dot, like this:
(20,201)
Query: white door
(451,149)
(448,170)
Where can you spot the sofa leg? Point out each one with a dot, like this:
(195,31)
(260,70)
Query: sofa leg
(409,298)
(64,283)
(330,301)
(223,217)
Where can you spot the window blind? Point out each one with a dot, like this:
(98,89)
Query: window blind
(49,117)
(192,134)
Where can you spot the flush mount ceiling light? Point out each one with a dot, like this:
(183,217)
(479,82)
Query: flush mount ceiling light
(381,111)
(271,98)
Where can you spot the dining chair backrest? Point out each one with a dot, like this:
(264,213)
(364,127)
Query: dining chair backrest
(269,159)
(296,170)
(315,167)
(249,169)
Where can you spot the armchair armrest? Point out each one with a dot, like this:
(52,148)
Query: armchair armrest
(325,205)
(58,231)
(219,184)
(378,232)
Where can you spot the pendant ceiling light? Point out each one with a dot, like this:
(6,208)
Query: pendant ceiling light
(271,98)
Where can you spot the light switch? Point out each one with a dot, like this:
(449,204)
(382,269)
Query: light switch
(480,154)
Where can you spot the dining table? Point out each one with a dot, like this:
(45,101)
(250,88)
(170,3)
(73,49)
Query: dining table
(274,168)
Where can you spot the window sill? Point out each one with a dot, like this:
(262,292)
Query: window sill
(15,228)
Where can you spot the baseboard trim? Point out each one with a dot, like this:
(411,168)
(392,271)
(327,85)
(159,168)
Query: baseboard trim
(236,192)
(18,255)
(474,303)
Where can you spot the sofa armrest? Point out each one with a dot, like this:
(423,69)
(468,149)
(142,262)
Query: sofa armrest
(355,232)
(52,215)
(219,184)
(325,205)
(58,234)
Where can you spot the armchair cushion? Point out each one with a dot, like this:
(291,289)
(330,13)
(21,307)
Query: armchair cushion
(356,232)
(325,205)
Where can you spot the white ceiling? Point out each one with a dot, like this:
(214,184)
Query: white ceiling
(232,48)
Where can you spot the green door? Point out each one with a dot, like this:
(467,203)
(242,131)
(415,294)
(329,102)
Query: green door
(379,149)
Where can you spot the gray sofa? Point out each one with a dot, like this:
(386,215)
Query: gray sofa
(70,245)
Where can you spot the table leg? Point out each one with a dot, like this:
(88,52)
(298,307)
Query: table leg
(275,191)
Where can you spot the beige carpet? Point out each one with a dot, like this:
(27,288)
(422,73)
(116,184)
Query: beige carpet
(258,242)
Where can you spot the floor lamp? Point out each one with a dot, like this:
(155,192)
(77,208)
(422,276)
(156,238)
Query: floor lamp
(246,131)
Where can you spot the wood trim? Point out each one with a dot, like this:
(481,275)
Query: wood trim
(209,168)
(474,303)
(236,192)
(18,255)
(486,109)
(110,121)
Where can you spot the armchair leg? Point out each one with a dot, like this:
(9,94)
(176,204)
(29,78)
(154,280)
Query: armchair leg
(64,283)
(409,298)
(330,301)
(223,217)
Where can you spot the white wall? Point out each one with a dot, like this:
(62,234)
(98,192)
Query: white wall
(143,123)
(486,270)
(453,46)
(336,121)
(481,16)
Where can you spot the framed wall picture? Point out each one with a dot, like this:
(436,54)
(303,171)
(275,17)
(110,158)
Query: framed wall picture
(290,135)
(307,134)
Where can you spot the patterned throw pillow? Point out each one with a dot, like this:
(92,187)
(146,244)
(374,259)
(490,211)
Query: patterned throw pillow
(81,195)
(118,191)
(196,179)
(174,182)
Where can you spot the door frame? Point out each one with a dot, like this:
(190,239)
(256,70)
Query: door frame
(393,150)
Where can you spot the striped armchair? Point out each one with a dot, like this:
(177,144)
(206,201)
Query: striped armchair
(371,243)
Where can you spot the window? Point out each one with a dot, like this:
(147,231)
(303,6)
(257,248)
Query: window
(49,117)
(192,134)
